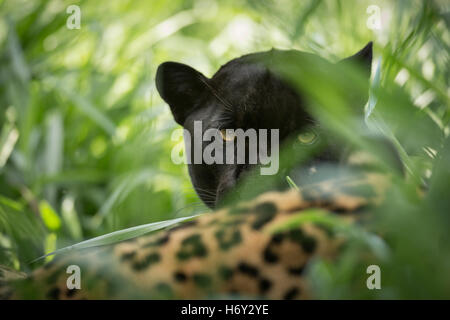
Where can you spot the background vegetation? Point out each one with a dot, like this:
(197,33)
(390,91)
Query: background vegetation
(85,139)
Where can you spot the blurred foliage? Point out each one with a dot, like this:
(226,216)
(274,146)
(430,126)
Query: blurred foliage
(85,140)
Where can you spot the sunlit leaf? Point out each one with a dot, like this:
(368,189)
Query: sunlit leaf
(49,216)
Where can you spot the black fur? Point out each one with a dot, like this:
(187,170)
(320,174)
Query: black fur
(242,94)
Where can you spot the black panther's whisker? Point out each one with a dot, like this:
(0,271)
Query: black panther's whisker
(210,202)
(224,121)
(225,117)
(207,196)
(191,206)
(204,191)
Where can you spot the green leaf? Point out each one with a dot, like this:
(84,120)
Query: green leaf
(309,215)
(49,216)
(88,108)
(291,183)
(118,236)
(50,245)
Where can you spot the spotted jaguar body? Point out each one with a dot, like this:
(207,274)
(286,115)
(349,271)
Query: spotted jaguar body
(250,250)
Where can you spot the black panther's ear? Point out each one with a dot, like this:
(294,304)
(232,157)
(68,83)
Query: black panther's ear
(362,58)
(180,86)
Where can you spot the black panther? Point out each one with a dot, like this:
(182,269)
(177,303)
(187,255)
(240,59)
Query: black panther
(244,93)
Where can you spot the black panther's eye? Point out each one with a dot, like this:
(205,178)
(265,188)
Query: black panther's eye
(227,136)
(307,137)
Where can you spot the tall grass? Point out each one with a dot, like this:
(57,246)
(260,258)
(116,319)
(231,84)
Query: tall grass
(85,139)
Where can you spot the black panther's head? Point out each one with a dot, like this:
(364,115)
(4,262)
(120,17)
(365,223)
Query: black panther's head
(242,94)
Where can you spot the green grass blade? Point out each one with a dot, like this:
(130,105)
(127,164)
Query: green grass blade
(291,183)
(118,236)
